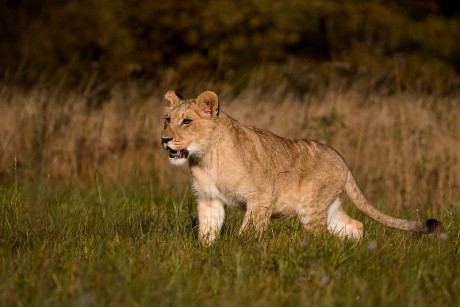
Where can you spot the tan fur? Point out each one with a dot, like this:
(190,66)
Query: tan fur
(238,166)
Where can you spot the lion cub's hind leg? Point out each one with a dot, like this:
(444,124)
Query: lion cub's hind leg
(339,223)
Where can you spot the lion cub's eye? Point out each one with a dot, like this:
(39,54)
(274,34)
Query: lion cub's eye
(167,120)
(186,121)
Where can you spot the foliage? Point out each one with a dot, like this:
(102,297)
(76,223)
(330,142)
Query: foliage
(388,45)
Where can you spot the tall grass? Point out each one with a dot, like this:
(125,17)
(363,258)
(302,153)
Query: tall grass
(404,149)
(92,214)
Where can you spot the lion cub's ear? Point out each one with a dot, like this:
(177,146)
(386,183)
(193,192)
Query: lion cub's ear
(171,99)
(208,103)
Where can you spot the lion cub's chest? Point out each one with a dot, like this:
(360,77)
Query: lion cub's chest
(208,185)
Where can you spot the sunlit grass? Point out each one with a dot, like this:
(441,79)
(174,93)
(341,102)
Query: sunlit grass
(91,213)
(138,246)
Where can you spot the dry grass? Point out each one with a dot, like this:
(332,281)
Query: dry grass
(401,148)
(96,224)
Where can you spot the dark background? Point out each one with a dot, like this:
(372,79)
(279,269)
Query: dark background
(304,45)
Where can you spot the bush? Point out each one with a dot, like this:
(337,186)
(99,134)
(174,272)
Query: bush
(223,42)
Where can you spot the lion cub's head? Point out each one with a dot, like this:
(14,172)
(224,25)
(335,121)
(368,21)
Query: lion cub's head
(188,125)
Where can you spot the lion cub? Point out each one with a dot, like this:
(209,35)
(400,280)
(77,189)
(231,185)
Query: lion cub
(238,166)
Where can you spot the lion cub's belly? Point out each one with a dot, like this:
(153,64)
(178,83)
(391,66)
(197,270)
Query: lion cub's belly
(231,193)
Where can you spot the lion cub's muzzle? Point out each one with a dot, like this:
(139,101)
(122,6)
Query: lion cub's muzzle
(178,154)
(174,153)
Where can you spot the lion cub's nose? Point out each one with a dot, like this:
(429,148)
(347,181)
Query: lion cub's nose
(165,140)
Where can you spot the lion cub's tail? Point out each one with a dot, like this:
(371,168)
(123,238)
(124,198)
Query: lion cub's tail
(363,204)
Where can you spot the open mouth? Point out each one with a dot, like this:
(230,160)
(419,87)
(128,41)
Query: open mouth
(178,154)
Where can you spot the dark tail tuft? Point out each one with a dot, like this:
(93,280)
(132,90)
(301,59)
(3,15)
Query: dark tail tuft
(432,225)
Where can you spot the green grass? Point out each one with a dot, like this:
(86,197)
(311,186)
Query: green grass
(122,247)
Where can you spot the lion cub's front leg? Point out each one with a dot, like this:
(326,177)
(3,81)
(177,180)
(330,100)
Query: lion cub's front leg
(211,215)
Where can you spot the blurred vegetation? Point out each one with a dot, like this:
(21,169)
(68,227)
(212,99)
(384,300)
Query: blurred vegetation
(305,45)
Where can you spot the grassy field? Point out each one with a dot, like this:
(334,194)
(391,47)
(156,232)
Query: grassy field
(122,247)
(92,214)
